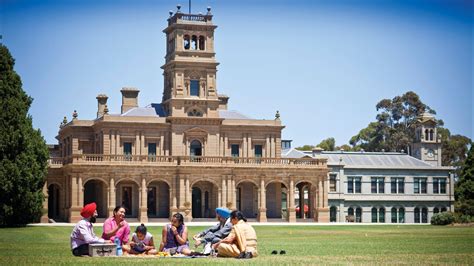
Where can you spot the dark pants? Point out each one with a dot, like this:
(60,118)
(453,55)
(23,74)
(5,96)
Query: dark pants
(81,250)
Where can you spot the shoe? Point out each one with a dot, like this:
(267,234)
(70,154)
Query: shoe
(282,252)
(248,255)
(274,252)
(207,248)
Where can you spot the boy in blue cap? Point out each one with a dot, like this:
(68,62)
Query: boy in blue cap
(215,233)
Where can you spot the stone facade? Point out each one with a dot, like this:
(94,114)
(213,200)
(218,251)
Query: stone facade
(188,154)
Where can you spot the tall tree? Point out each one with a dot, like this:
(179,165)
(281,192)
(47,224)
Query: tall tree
(23,151)
(328,144)
(464,190)
(394,129)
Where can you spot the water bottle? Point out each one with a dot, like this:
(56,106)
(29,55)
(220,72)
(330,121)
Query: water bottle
(119,247)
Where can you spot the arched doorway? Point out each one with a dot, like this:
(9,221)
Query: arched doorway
(96,191)
(276,200)
(195,148)
(304,200)
(204,199)
(247,199)
(158,200)
(127,195)
(53,202)
(333,214)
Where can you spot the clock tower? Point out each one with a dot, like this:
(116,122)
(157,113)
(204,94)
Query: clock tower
(427,144)
(190,66)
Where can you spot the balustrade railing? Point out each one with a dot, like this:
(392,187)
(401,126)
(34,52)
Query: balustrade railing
(187,160)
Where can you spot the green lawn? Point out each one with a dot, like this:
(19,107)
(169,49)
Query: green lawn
(386,244)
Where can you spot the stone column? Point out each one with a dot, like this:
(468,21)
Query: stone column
(323,212)
(44,217)
(112,143)
(112,199)
(230,193)
(143,203)
(75,210)
(188,217)
(262,210)
(291,202)
(80,188)
(234,193)
(224,192)
(342,216)
(181,193)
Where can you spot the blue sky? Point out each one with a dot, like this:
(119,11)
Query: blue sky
(323,64)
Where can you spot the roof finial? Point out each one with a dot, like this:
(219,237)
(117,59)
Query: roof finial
(171,13)
(208,10)
(74,115)
(106,110)
(179,8)
(277,115)
(64,122)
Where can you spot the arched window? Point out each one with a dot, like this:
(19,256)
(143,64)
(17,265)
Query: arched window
(417,215)
(202,43)
(431,134)
(435,210)
(332,214)
(358,215)
(382,215)
(374,215)
(186,42)
(424,215)
(194,42)
(350,211)
(426,134)
(401,215)
(443,209)
(394,214)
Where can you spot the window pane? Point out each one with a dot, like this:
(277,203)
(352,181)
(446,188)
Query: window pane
(417,215)
(350,211)
(381,185)
(442,185)
(401,185)
(234,150)
(394,215)
(373,185)
(393,185)
(381,215)
(127,148)
(258,150)
(194,91)
(435,185)
(350,185)
(424,215)
(359,215)
(423,185)
(332,183)
(151,148)
(416,185)
(435,210)
(357,185)
(374,215)
(401,215)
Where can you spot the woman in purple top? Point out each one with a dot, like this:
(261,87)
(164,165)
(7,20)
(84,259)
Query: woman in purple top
(175,236)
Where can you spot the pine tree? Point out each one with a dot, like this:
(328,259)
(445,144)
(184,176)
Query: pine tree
(23,151)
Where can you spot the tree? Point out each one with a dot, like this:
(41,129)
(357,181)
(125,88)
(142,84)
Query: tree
(328,144)
(464,189)
(23,151)
(305,148)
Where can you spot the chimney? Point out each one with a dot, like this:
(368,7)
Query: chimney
(129,98)
(101,103)
(317,151)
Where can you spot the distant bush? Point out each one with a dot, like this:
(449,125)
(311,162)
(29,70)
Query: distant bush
(443,218)
(463,218)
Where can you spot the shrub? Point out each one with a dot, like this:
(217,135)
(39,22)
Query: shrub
(463,218)
(443,218)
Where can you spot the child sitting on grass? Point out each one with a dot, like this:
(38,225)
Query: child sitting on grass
(142,242)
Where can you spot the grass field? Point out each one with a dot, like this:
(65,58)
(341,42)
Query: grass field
(385,244)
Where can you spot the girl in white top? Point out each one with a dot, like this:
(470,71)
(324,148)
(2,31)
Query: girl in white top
(142,242)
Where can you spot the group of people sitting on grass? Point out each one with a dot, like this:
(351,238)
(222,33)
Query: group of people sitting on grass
(232,236)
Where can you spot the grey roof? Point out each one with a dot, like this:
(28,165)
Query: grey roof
(230,114)
(154,109)
(365,159)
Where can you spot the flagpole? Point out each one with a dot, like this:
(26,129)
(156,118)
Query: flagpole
(189,6)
